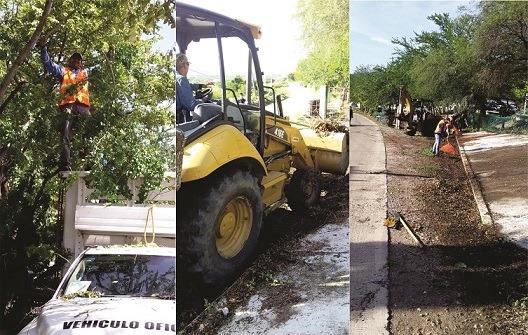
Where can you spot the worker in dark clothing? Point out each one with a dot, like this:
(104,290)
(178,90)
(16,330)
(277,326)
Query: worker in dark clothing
(75,96)
(185,100)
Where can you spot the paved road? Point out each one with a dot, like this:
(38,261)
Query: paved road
(498,168)
(318,272)
(368,236)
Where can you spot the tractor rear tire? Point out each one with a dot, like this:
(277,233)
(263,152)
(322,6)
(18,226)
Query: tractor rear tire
(304,189)
(218,232)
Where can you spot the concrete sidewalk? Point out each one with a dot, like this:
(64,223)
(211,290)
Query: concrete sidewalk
(497,167)
(368,237)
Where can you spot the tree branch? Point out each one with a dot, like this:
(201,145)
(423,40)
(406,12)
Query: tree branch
(18,87)
(26,50)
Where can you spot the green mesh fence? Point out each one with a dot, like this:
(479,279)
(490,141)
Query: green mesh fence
(495,123)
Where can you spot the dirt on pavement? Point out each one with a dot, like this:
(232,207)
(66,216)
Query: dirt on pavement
(200,308)
(467,279)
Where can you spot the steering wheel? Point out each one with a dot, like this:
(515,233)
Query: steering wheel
(204,94)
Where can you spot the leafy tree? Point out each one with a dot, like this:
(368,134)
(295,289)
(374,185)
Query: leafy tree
(237,84)
(128,134)
(368,86)
(501,43)
(325,34)
(469,59)
(442,62)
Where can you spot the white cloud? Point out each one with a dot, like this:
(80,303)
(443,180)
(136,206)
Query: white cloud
(382,40)
(373,24)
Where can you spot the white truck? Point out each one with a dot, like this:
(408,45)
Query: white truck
(123,276)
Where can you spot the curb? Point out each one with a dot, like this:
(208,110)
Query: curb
(483,209)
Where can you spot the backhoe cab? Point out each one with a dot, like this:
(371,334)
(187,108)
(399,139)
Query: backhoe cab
(240,161)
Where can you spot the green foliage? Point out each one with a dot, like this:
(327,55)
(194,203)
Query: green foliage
(131,122)
(521,305)
(238,85)
(474,56)
(83,294)
(501,42)
(325,26)
(275,280)
(440,63)
(371,87)
(210,306)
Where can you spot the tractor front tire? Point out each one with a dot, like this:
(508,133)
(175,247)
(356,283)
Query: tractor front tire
(304,189)
(219,231)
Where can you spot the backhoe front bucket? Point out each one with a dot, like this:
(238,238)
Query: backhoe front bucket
(329,152)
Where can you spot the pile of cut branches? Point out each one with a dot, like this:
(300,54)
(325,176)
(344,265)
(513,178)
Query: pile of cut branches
(325,127)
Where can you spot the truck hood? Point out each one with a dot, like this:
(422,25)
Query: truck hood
(105,316)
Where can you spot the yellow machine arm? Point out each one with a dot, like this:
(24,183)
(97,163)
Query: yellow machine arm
(405,103)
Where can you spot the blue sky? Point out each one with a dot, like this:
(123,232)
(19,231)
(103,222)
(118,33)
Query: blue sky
(374,23)
(168,39)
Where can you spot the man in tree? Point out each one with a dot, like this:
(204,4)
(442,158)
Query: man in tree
(75,97)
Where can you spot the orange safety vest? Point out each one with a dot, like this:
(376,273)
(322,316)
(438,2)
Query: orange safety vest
(80,82)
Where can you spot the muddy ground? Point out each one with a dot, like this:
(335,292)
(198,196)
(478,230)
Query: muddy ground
(466,279)
(197,305)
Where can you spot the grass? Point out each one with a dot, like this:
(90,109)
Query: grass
(210,306)
(428,152)
(430,169)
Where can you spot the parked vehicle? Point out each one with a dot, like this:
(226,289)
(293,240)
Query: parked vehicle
(416,115)
(122,276)
(113,290)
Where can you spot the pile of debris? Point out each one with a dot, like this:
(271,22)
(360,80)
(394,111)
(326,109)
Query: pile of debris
(325,127)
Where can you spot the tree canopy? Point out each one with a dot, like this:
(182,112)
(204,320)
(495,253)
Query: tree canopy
(325,33)
(468,59)
(129,132)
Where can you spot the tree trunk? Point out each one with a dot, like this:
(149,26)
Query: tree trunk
(17,89)
(11,72)
(4,164)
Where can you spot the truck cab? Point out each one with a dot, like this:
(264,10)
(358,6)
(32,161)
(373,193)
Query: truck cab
(113,290)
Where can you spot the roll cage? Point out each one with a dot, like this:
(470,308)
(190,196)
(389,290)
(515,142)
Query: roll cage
(194,23)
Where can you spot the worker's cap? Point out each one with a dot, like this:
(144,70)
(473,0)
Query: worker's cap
(76,55)
(181,59)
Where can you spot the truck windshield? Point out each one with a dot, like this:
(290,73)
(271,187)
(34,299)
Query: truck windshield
(132,275)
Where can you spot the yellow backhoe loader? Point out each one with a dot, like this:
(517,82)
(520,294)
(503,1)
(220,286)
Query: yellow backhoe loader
(415,115)
(239,160)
